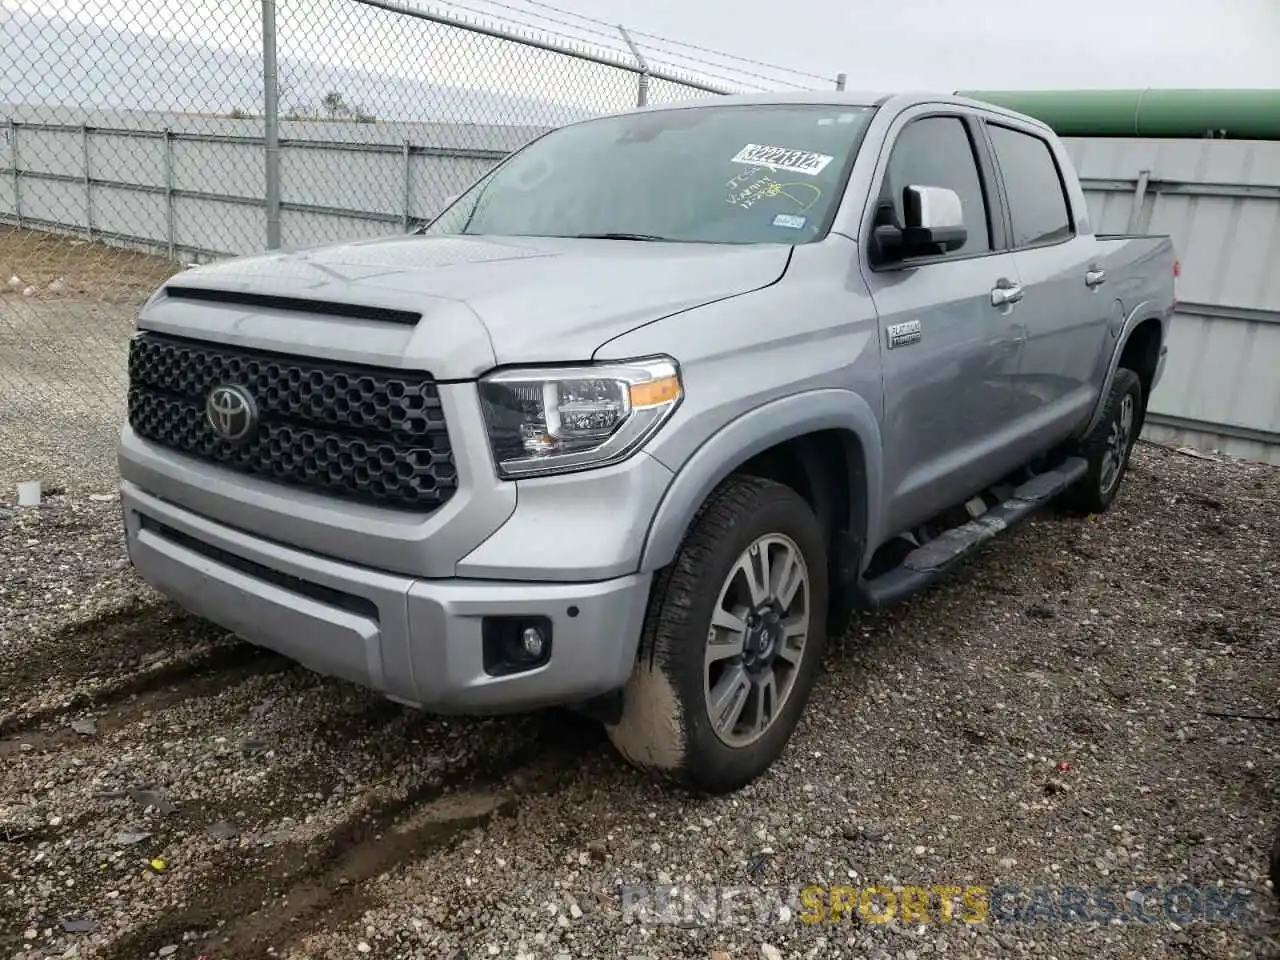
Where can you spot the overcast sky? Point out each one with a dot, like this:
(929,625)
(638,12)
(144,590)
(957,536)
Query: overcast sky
(883,45)
(950,44)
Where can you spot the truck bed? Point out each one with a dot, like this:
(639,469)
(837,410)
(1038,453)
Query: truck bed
(1140,267)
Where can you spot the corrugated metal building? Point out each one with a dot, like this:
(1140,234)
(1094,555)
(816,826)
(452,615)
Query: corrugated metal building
(1220,201)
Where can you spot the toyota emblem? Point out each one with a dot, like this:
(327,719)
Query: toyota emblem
(231,412)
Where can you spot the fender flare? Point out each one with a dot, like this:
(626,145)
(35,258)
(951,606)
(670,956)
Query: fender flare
(749,434)
(1146,310)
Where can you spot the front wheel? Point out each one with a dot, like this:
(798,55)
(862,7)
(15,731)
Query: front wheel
(732,641)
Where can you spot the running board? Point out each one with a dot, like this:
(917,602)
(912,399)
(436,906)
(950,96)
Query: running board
(927,563)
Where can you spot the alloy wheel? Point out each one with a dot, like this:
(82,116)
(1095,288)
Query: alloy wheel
(756,641)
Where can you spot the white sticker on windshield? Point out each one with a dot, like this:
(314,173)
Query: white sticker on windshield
(782,158)
(848,117)
(790,221)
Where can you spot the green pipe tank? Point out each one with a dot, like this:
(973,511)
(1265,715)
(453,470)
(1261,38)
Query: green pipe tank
(1182,114)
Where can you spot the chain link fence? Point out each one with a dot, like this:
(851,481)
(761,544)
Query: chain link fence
(138,136)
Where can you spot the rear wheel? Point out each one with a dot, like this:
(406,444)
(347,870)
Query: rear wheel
(732,641)
(1107,447)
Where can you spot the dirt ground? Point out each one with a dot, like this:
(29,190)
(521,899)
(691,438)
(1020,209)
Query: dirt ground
(1077,708)
(67,309)
(84,268)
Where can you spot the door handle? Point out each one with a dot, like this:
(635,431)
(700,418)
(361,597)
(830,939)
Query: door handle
(1005,292)
(1095,277)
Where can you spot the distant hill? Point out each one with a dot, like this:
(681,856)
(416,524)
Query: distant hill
(54,61)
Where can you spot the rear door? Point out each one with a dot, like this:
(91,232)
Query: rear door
(949,354)
(1065,307)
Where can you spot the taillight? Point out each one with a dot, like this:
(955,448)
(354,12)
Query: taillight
(1177,269)
(1177,272)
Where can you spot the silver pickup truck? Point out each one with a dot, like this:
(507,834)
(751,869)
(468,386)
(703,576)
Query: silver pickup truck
(646,412)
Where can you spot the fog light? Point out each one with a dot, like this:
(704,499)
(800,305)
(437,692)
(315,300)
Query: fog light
(515,644)
(531,642)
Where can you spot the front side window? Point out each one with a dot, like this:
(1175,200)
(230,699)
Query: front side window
(770,173)
(937,152)
(1037,204)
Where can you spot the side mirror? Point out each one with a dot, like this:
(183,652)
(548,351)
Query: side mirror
(934,223)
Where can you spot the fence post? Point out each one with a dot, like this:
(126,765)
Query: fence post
(404,217)
(88,182)
(1139,197)
(169,213)
(642,86)
(13,156)
(271,123)
(841,80)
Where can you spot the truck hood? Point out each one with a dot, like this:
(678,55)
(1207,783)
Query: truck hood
(483,301)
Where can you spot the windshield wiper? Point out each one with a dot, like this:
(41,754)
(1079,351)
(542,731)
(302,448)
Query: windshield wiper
(617,236)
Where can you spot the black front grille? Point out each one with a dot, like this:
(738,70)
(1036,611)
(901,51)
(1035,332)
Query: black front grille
(363,433)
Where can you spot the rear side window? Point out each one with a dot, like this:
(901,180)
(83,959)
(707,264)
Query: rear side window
(1037,202)
(937,152)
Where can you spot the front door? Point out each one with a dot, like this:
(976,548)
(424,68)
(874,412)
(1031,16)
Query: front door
(951,336)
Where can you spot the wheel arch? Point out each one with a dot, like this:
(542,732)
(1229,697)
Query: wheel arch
(1141,339)
(814,442)
(1141,354)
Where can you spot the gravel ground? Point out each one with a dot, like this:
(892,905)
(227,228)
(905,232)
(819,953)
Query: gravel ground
(1046,719)
(67,309)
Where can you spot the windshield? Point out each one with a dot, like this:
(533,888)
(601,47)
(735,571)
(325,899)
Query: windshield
(719,174)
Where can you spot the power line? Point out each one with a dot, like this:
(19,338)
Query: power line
(679,43)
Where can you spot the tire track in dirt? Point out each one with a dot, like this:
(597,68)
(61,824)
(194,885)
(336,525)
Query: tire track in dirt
(284,755)
(277,755)
(300,888)
(84,649)
(126,654)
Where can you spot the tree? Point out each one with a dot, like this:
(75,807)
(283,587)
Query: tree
(335,105)
(290,108)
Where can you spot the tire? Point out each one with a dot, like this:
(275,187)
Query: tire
(666,727)
(1107,447)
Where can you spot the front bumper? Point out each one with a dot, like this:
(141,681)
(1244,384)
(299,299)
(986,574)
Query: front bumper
(418,641)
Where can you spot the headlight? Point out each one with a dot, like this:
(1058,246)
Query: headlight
(552,420)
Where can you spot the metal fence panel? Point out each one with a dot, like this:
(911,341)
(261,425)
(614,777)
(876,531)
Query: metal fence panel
(123,212)
(52,151)
(208,228)
(370,180)
(121,158)
(231,168)
(301,228)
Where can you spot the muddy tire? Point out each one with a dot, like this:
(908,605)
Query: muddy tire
(1107,447)
(732,641)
